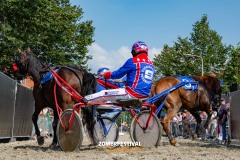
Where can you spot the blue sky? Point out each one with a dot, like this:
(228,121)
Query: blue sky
(120,23)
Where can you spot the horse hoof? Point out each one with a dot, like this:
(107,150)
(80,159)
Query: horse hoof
(194,137)
(40,140)
(173,142)
(53,146)
(177,144)
(160,143)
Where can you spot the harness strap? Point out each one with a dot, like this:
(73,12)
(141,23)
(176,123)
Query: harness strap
(160,107)
(66,87)
(59,110)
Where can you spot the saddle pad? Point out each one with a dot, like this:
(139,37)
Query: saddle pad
(190,84)
(47,77)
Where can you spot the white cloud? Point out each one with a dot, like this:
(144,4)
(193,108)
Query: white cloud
(112,59)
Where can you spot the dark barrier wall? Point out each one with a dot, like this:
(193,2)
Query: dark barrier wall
(7,102)
(24,108)
(16,108)
(235,114)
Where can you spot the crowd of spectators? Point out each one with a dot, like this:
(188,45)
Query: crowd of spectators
(184,124)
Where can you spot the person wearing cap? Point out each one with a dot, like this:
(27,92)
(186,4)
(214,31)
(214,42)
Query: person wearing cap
(139,71)
(222,121)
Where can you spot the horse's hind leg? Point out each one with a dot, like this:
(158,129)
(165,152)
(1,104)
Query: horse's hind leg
(88,111)
(166,125)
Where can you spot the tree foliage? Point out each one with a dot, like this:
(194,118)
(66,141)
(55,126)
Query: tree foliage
(203,43)
(232,69)
(51,28)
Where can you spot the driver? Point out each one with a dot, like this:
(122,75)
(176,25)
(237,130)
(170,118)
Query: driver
(139,71)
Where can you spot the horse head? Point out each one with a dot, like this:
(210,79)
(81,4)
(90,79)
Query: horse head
(22,61)
(28,63)
(213,85)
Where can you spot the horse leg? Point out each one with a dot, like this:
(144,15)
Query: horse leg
(209,113)
(166,125)
(89,120)
(206,125)
(37,94)
(198,127)
(40,139)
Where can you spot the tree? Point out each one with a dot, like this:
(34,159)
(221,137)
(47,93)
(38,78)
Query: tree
(171,61)
(207,43)
(232,72)
(52,29)
(203,42)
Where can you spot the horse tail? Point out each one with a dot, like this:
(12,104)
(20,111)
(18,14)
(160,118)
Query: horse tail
(89,87)
(153,92)
(89,83)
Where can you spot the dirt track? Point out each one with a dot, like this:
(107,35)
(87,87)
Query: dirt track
(187,150)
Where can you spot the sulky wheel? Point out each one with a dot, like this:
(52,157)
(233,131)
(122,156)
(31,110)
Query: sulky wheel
(147,137)
(71,139)
(111,130)
(131,129)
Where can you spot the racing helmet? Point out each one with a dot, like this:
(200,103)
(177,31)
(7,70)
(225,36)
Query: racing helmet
(139,47)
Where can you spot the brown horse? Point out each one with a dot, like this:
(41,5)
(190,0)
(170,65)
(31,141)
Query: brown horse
(205,98)
(78,78)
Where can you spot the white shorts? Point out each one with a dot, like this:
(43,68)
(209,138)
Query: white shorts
(109,95)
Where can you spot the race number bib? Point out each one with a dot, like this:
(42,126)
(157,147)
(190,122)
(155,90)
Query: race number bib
(147,74)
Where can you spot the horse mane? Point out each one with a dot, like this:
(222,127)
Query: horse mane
(212,83)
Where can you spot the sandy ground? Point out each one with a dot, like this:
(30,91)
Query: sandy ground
(188,149)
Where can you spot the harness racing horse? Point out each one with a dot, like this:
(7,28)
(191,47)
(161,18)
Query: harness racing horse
(205,98)
(79,79)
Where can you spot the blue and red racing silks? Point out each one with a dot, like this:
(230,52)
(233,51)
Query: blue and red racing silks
(140,72)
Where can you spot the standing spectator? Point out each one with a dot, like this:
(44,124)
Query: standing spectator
(212,125)
(204,116)
(191,122)
(228,123)
(49,121)
(187,117)
(222,121)
(180,124)
(174,125)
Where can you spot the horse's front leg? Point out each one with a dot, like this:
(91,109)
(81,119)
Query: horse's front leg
(209,113)
(166,125)
(199,125)
(40,139)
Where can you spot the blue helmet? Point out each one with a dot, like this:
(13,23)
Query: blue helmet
(102,70)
